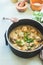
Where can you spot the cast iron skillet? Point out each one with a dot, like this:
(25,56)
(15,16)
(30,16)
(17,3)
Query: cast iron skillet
(24,54)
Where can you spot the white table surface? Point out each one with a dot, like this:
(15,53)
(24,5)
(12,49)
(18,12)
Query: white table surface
(7,9)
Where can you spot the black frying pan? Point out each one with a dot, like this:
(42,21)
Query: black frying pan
(25,54)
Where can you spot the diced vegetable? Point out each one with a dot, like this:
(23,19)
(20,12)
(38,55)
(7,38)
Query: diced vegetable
(21,34)
(24,48)
(24,28)
(20,42)
(29,48)
(38,16)
(32,44)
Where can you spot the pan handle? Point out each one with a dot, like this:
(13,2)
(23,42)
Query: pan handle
(41,54)
(14,20)
(5,39)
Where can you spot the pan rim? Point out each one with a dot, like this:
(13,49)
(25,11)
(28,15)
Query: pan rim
(18,49)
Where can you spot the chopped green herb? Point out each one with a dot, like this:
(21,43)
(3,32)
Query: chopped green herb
(38,16)
(29,40)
